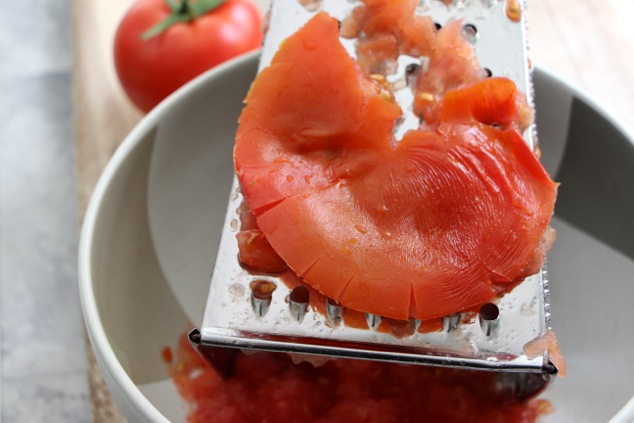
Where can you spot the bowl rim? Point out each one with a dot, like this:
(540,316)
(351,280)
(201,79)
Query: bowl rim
(95,327)
(114,372)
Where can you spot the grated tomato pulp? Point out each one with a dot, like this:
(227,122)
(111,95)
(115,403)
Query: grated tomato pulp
(269,387)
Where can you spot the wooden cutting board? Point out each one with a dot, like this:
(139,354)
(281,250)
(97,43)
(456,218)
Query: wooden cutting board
(586,43)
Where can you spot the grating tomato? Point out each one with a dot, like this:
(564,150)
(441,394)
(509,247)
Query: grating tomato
(444,220)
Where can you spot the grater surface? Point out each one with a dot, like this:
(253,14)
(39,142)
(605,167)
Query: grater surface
(241,316)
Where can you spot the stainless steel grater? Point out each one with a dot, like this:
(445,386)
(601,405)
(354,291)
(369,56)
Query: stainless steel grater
(248,311)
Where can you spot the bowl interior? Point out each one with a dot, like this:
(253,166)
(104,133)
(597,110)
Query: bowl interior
(174,172)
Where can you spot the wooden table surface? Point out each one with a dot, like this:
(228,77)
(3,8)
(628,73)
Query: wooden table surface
(587,43)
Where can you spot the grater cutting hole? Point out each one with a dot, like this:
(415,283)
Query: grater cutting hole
(373,320)
(438,26)
(489,319)
(412,71)
(261,295)
(487,72)
(298,302)
(470,33)
(334,312)
(451,322)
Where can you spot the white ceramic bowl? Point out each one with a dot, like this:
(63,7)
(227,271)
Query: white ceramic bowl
(150,235)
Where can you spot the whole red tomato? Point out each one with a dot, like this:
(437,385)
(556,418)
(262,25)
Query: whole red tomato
(185,38)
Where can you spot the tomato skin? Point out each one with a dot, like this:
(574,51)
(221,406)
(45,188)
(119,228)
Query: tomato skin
(443,221)
(150,70)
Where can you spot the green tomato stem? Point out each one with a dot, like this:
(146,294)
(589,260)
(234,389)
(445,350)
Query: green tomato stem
(182,11)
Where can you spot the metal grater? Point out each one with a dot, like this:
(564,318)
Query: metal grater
(240,315)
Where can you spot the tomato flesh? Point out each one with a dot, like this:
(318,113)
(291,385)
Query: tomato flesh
(444,220)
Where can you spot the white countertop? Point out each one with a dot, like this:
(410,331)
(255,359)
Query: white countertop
(42,361)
